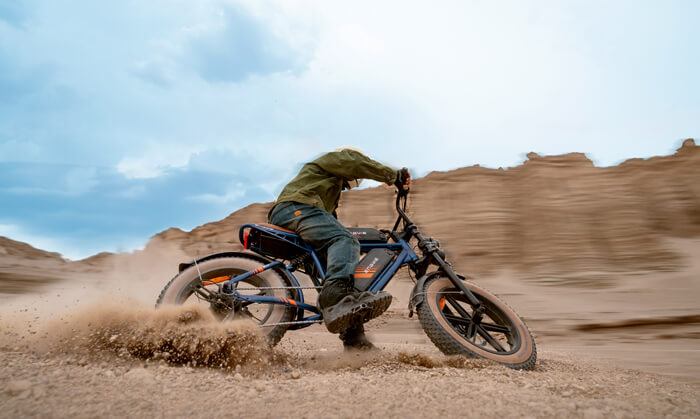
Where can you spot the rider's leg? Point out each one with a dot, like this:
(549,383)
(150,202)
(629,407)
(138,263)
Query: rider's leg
(326,235)
(338,300)
(354,338)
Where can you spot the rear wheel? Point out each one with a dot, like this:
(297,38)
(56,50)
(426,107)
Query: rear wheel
(501,336)
(188,286)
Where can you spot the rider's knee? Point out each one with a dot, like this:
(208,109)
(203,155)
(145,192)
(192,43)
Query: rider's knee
(352,240)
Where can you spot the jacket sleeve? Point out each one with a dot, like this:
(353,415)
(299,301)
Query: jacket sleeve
(350,164)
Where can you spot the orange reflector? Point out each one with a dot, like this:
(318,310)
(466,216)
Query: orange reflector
(442,303)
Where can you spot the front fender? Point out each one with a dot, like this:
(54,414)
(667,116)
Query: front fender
(417,295)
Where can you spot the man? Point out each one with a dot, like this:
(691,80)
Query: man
(307,205)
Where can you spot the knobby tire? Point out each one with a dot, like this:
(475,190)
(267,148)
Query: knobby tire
(503,336)
(181,289)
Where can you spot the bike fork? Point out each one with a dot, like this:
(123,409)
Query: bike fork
(479,309)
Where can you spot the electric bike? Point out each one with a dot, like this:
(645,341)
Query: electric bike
(259,284)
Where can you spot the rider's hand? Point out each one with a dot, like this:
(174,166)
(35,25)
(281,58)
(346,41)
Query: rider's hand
(403,179)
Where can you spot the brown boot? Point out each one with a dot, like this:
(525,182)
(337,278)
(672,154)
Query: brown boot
(343,307)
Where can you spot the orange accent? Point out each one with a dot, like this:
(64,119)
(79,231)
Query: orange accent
(442,303)
(361,273)
(245,239)
(288,301)
(297,213)
(216,280)
(257,271)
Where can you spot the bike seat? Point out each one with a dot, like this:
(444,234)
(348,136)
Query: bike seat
(274,227)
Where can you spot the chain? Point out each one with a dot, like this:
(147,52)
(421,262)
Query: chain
(277,288)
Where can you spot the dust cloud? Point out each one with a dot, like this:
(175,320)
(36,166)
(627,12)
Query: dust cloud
(179,335)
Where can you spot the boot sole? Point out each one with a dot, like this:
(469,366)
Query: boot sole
(351,312)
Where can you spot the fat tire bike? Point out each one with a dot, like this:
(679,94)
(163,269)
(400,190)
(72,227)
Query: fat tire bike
(259,284)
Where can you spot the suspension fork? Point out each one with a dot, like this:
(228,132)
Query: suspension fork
(471,299)
(432,249)
(434,253)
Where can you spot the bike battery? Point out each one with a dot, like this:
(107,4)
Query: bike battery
(368,235)
(371,266)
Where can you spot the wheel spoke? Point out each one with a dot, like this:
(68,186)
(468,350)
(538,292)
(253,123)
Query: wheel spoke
(457,319)
(493,342)
(471,329)
(490,327)
(462,312)
(247,312)
(201,292)
(465,318)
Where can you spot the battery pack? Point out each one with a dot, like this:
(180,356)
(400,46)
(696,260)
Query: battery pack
(371,266)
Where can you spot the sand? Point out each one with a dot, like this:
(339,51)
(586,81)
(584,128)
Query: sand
(602,263)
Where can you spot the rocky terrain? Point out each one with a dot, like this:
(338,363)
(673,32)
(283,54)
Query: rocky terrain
(108,361)
(552,214)
(602,263)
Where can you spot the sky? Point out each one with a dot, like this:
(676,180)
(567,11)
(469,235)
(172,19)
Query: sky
(121,119)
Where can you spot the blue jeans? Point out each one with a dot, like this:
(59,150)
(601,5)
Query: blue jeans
(324,233)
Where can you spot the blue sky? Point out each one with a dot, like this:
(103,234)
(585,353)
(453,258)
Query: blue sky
(121,119)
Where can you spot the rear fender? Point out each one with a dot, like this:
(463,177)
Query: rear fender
(291,280)
(417,296)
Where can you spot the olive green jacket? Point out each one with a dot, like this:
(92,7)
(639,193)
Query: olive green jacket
(320,182)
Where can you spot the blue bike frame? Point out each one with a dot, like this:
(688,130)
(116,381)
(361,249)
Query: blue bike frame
(404,255)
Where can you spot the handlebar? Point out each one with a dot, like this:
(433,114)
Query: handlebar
(402,211)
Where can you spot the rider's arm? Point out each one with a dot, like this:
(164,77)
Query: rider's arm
(350,164)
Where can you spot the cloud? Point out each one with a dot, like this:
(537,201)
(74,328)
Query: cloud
(231,195)
(88,209)
(22,84)
(241,46)
(157,71)
(14,12)
(47,179)
(13,150)
(80,180)
(154,160)
(131,192)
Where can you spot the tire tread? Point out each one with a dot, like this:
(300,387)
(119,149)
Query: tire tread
(277,332)
(449,346)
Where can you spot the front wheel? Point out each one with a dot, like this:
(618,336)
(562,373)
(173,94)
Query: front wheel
(501,336)
(192,286)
